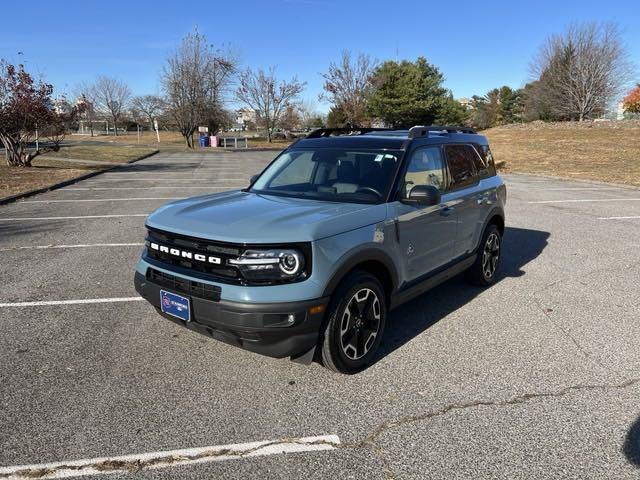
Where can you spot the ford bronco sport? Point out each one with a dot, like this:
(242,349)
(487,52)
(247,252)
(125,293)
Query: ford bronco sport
(343,226)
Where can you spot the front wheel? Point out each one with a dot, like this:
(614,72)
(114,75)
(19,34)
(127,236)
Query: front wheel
(483,271)
(356,321)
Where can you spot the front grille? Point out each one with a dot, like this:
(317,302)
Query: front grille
(172,252)
(220,272)
(181,285)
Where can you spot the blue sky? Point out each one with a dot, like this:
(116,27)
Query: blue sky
(477,45)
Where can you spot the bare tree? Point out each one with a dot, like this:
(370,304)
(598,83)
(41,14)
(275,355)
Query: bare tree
(111,97)
(268,96)
(196,79)
(84,93)
(289,120)
(148,106)
(581,71)
(310,117)
(347,86)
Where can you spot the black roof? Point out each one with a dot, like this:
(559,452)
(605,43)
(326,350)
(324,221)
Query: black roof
(388,139)
(353,141)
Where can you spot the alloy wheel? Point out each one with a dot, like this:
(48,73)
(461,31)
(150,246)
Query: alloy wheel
(360,323)
(490,255)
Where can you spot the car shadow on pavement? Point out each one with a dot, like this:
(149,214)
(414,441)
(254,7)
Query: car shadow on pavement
(631,447)
(519,247)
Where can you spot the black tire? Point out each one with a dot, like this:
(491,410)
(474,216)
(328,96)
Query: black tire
(483,271)
(352,318)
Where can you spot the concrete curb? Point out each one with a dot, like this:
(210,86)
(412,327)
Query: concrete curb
(55,186)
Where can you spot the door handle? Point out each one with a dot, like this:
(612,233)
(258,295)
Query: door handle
(446,211)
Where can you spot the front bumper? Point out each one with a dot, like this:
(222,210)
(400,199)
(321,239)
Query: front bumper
(263,328)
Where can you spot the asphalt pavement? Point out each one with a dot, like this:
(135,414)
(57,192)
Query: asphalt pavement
(537,376)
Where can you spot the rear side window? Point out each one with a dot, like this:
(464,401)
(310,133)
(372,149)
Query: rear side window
(461,160)
(487,159)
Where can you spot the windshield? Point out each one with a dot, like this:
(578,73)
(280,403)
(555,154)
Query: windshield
(331,174)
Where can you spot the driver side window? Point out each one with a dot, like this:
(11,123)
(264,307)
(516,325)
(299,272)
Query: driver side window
(426,167)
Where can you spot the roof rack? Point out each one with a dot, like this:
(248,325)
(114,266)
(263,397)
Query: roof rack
(421,131)
(327,132)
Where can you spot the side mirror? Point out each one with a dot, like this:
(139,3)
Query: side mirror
(424,195)
(253,179)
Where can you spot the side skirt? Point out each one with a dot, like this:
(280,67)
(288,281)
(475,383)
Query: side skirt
(431,281)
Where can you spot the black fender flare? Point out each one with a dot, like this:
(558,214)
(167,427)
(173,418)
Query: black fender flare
(495,212)
(350,261)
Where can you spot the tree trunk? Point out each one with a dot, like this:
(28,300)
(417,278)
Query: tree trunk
(115,126)
(188,138)
(14,153)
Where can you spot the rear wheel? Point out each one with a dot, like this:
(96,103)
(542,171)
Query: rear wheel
(483,271)
(356,321)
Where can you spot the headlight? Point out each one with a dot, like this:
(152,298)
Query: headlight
(270,265)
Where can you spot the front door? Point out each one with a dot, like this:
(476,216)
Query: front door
(426,233)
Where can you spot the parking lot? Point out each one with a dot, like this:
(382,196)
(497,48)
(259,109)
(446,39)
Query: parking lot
(535,377)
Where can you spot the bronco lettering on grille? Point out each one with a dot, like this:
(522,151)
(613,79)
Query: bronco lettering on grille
(185,254)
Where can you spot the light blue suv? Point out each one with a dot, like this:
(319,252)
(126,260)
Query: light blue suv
(341,227)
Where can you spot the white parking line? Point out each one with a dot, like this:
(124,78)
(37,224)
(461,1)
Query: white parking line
(46,303)
(181,187)
(631,217)
(148,179)
(85,245)
(100,200)
(209,180)
(563,189)
(169,458)
(589,200)
(20,219)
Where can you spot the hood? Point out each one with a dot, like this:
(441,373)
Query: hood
(244,217)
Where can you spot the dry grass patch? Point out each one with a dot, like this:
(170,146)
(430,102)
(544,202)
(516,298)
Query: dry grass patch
(605,151)
(53,168)
(173,140)
(102,153)
(14,180)
(147,139)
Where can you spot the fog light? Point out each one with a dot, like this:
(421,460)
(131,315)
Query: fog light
(291,318)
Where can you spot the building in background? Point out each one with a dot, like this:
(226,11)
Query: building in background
(245,119)
(465,102)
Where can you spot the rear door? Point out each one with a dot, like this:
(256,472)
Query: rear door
(465,193)
(426,233)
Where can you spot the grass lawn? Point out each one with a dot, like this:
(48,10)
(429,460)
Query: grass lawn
(173,140)
(14,180)
(605,151)
(52,168)
(102,153)
(147,139)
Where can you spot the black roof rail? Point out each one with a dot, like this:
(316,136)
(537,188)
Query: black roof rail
(421,131)
(327,132)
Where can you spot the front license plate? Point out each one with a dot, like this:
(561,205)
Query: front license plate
(175,305)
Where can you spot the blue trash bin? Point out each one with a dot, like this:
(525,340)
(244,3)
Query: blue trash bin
(204,141)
